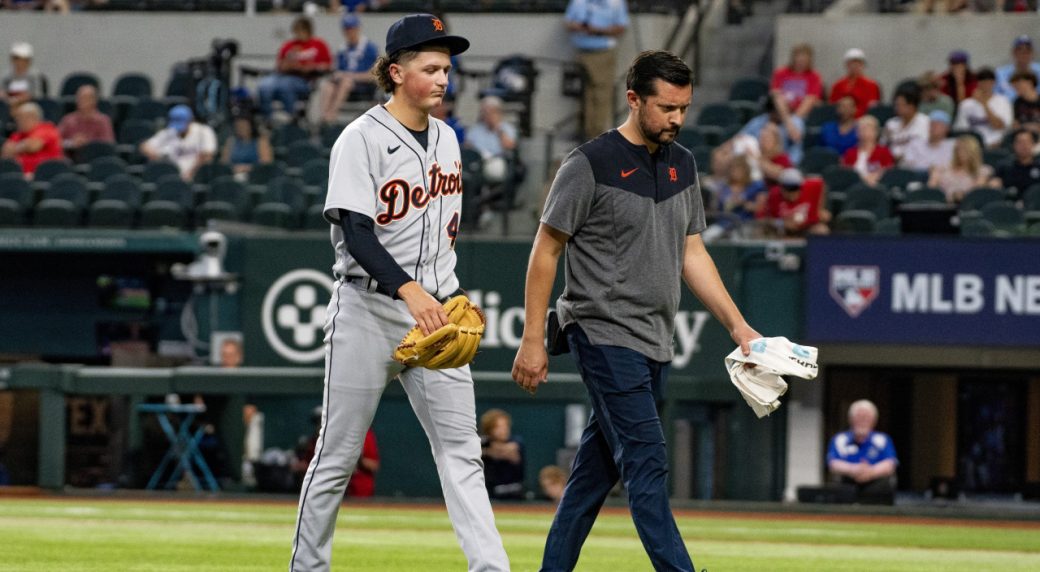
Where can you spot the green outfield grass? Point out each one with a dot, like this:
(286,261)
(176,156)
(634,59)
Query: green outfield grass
(61,535)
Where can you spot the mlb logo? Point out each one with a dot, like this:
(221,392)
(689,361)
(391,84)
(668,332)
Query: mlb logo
(855,287)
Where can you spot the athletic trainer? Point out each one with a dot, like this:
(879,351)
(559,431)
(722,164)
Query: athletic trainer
(626,210)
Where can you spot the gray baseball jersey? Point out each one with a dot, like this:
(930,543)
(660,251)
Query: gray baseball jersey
(414,195)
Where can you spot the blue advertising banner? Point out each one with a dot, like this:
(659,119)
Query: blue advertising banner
(927,291)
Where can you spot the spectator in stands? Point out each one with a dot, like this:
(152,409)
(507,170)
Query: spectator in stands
(1026,108)
(492,136)
(932,97)
(987,113)
(862,456)
(965,172)
(34,140)
(595,27)
(796,207)
(21,85)
(799,86)
(771,159)
(1023,169)
(741,195)
(363,481)
(840,134)
(86,124)
(792,128)
(936,151)
(869,158)
(300,60)
(353,74)
(1021,62)
(248,146)
(445,111)
(183,141)
(856,84)
(552,480)
(231,352)
(958,81)
(358,6)
(908,124)
(503,456)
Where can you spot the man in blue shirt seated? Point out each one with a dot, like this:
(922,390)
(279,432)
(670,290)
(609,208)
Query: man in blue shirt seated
(352,76)
(862,456)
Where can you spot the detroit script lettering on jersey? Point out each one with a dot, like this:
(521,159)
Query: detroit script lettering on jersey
(398,197)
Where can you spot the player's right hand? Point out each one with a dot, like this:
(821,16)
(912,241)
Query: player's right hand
(531,366)
(428,312)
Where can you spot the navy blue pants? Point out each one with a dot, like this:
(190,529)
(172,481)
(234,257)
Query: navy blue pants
(622,440)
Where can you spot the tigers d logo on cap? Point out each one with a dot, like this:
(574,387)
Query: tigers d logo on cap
(416,30)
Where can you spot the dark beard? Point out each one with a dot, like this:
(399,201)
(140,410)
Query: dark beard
(660,137)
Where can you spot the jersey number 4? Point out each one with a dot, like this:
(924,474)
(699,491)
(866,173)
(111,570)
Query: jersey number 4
(453,228)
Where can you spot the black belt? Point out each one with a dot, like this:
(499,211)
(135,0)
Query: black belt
(369,284)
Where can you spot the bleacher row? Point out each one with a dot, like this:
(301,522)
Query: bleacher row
(857,207)
(297,5)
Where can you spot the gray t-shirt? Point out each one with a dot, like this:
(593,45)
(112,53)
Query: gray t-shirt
(628,214)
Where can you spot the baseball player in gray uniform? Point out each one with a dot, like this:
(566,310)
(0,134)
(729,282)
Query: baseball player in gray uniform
(394,201)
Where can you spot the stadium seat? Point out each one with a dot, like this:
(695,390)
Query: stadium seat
(15,197)
(891,226)
(314,219)
(163,214)
(329,134)
(718,115)
(134,131)
(840,177)
(178,87)
(172,189)
(995,157)
(227,190)
(274,214)
(69,187)
(821,114)
(102,168)
(289,191)
(1031,198)
(261,173)
(209,172)
(123,188)
(817,159)
(472,161)
(285,135)
(5,116)
(980,197)
(135,85)
(56,213)
(148,110)
(865,198)
(897,178)
(977,227)
(749,89)
(53,110)
(10,166)
(315,172)
(95,150)
(75,80)
(215,210)
(47,170)
(746,110)
(1006,218)
(300,152)
(157,170)
(925,195)
(109,213)
(883,112)
(855,221)
(689,137)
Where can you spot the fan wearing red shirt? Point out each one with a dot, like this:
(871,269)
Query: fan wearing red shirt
(855,84)
(300,60)
(868,157)
(798,83)
(363,481)
(796,205)
(35,140)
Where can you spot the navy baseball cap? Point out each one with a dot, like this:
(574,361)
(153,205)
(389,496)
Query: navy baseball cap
(350,21)
(1023,40)
(420,29)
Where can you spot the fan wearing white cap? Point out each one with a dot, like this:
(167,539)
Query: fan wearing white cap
(22,85)
(856,84)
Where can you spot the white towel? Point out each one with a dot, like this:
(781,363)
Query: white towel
(762,385)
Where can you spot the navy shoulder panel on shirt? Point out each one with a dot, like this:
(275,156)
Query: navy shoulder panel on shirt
(616,163)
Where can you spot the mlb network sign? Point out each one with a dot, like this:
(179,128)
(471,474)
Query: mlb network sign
(923,291)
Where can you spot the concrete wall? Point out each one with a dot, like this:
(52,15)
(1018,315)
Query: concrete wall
(109,44)
(901,46)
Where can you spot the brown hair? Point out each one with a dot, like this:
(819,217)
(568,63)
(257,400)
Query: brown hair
(381,69)
(490,418)
(799,49)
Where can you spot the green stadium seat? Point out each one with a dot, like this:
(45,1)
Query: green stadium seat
(300,152)
(995,157)
(313,218)
(135,131)
(855,221)
(155,170)
(110,213)
(215,210)
(172,189)
(897,178)
(749,89)
(980,197)
(16,196)
(818,159)
(718,115)
(10,166)
(149,110)
(104,167)
(75,80)
(56,213)
(891,226)
(1031,198)
(48,170)
(68,187)
(472,161)
(882,112)
(228,191)
(329,134)
(315,172)
(1005,217)
(163,214)
(746,110)
(207,173)
(275,214)
(925,195)
(261,173)
(840,177)
(865,198)
(52,109)
(977,227)
(95,150)
(821,114)
(135,85)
